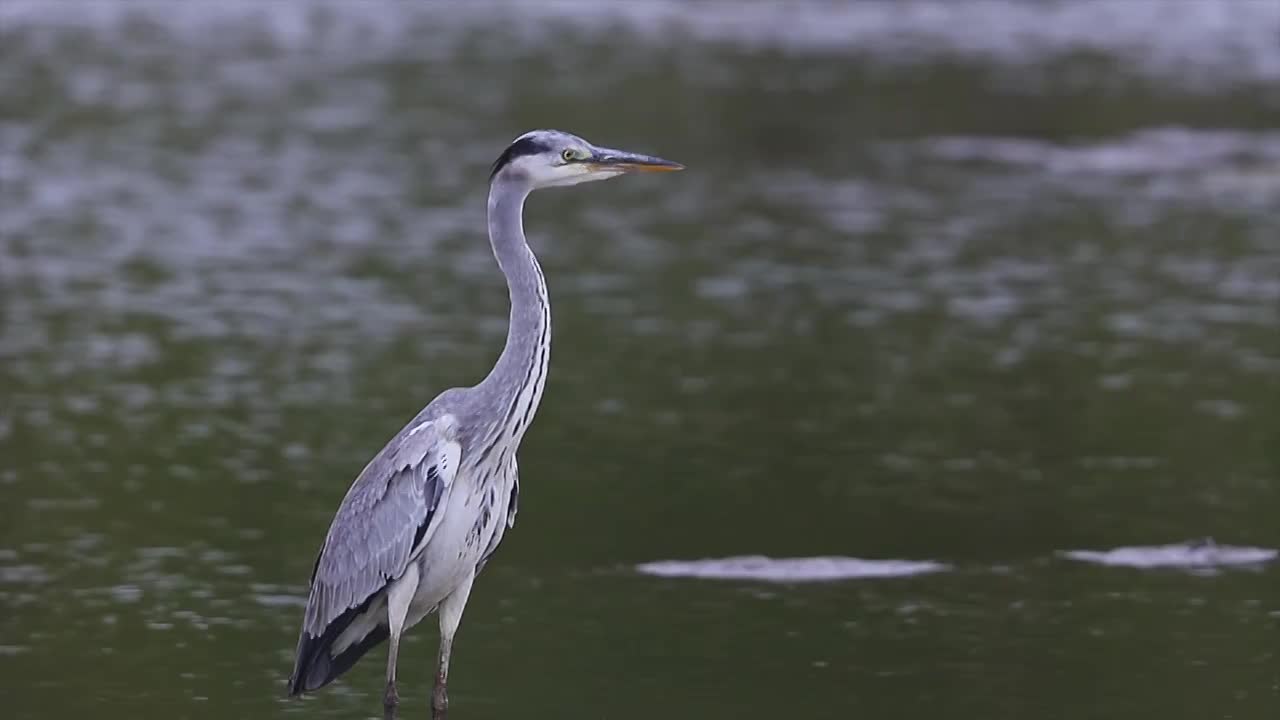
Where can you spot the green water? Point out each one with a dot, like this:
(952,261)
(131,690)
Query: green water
(975,283)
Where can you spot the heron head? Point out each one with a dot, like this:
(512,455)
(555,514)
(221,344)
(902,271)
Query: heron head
(551,158)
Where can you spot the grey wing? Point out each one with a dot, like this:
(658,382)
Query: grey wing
(386,518)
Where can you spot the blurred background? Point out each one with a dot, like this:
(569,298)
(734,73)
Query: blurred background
(973,285)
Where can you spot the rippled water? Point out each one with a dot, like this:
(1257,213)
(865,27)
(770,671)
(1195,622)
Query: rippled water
(974,306)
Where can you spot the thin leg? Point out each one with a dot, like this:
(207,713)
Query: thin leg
(450,616)
(398,597)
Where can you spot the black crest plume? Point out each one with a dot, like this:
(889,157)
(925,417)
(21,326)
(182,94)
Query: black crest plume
(526,145)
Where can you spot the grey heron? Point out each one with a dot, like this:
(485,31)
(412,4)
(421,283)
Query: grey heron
(425,514)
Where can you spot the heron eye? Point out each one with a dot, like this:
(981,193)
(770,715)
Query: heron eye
(569,155)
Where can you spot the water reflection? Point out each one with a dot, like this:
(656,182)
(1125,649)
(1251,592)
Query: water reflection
(1205,555)
(790,570)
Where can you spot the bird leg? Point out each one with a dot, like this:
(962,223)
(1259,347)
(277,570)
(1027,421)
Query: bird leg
(399,595)
(440,697)
(391,698)
(450,616)
(440,693)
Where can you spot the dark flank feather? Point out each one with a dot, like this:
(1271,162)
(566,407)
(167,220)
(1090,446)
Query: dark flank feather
(316,667)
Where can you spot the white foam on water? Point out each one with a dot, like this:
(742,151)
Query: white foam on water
(790,570)
(1193,555)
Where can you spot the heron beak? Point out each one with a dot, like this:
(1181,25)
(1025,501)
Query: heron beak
(620,161)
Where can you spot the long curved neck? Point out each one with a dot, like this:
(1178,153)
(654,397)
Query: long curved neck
(521,370)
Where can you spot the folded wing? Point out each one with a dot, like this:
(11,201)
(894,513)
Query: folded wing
(384,521)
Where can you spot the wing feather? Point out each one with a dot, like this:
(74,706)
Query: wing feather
(385,519)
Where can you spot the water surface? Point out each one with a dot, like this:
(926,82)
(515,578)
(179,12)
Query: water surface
(979,285)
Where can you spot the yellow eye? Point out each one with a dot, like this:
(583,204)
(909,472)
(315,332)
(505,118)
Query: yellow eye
(569,154)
